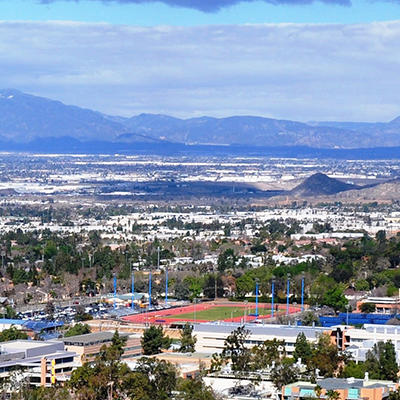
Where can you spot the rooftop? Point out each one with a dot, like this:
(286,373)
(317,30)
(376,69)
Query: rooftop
(92,338)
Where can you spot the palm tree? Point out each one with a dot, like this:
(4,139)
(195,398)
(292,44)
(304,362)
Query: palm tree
(318,391)
(332,395)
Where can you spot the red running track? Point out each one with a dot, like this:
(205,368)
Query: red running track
(159,316)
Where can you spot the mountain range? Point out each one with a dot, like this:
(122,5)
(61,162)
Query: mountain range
(25,118)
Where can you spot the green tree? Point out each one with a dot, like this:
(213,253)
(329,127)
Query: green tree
(188,340)
(194,389)
(352,369)
(302,349)
(368,308)
(381,361)
(284,374)
(264,354)
(78,329)
(153,340)
(12,334)
(227,260)
(335,298)
(325,356)
(105,377)
(236,351)
(152,379)
(332,395)
(244,285)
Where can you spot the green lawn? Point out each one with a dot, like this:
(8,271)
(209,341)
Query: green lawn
(219,313)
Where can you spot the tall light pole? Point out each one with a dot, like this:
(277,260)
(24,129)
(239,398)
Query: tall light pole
(133,287)
(150,289)
(166,284)
(272,298)
(115,291)
(302,293)
(256,298)
(287,294)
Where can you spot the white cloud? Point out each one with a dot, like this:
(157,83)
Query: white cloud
(292,71)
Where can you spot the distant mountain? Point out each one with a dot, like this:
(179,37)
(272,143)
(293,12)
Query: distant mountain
(241,130)
(26,118)
(320,185)
(375,133)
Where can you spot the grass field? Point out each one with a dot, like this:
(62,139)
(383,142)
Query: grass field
(218,313)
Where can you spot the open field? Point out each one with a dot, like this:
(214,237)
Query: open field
(222,313)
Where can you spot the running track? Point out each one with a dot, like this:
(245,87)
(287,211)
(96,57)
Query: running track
(159,316)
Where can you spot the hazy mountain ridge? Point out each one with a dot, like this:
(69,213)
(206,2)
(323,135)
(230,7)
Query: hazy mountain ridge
(25,118)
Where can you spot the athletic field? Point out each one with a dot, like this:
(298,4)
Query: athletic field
(209,311)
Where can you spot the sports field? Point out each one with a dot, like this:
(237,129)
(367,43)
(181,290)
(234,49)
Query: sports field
(221,313)
(209,311)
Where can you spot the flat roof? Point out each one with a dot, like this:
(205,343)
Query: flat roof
(93,338)
(261,329)
(23,344)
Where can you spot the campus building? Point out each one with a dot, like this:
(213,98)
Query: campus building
(356,341)
(36,362)
(211,336)
(87,347)
(347,389)
(383,305)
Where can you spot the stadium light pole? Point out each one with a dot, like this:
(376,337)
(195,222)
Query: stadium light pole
(287,294)
(302,292)
(166,284)
(115,291)
(272,298)
(133,287)
(256,298)
(150,289)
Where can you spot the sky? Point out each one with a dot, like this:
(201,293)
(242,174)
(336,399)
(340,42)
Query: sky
(289,59)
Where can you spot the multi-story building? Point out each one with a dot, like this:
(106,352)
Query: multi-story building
(211,336)
(35,362)
(87,347)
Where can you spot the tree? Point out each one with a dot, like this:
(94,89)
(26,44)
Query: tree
(105,378)
(227,260)
(153,340)
(236,351)
(12,334)
(49,310)
(309,318)
(194,389)
(332,395)
(302,349)
(335,298)
(188,341)
(354,370)
(368,308)
(325,356)
(284,374)
(381,361)
(244,285)
(152,379)
(42,393)
(264,354)
(78,329)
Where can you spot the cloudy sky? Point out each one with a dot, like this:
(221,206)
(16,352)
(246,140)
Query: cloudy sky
(293,59)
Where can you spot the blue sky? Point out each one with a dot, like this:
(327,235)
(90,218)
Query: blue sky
(317,61)
(151,14)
